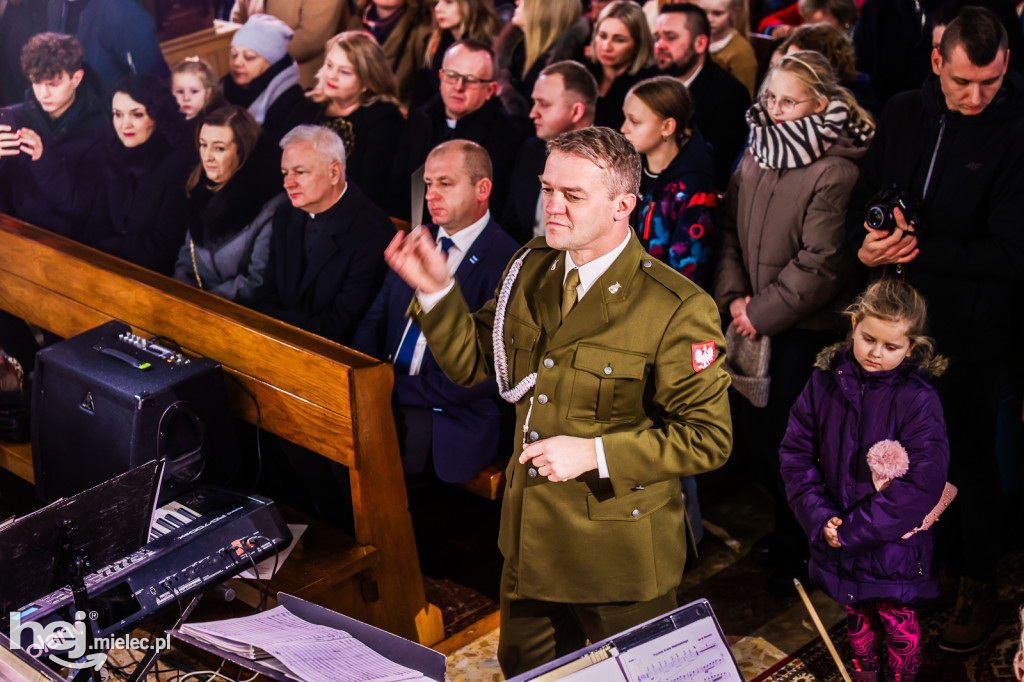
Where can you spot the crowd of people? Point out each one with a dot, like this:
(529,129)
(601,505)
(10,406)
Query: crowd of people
(780,180)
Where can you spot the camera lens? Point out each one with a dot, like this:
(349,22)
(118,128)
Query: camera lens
(875,218)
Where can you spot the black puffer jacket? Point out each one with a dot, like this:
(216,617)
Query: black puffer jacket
(58,191)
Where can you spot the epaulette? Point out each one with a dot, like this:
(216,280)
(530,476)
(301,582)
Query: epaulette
(678,284)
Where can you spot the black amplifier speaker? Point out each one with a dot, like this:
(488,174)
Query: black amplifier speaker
(106,401)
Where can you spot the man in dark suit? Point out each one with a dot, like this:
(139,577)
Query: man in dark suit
(459,428)
(326,249)
(465,109)
(564,98)
(682,35)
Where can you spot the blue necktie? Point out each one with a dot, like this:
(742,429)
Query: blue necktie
(403,358)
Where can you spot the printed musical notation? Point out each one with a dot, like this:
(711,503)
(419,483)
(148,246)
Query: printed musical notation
(695,653)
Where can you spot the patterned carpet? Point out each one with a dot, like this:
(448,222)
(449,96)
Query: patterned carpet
(993,662)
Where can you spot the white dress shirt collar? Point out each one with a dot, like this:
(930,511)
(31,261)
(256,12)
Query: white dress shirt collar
(593,270)
(463,239)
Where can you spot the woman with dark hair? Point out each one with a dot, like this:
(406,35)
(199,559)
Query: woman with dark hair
(621,55)
(359,95)
(140,209)
(264,78)
(232,196)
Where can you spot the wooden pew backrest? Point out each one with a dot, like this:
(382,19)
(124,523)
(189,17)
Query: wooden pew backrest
(311,391)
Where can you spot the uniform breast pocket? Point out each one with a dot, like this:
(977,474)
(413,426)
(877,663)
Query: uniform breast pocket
(607,384)
(520,340)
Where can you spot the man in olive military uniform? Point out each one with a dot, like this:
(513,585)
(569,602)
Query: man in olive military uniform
(614,362)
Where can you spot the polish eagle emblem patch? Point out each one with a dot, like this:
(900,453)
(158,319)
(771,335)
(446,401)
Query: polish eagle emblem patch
(703,355)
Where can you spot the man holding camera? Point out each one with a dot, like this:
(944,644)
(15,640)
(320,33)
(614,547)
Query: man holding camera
(952,149)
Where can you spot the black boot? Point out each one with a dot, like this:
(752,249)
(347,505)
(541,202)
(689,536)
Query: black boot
(972,619)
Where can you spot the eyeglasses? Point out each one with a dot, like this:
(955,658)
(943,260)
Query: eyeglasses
(454,78)
(786,105)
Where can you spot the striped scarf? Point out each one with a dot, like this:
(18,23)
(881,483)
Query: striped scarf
(799,143)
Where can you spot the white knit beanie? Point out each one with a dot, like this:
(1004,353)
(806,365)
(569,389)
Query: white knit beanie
(265,35)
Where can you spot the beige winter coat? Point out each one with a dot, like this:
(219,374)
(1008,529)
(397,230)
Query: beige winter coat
(783,240)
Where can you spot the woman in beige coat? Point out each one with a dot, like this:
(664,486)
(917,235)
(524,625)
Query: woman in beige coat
(783,263)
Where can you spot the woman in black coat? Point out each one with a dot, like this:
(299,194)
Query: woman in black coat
(359,96)
(140,209)
(621,55)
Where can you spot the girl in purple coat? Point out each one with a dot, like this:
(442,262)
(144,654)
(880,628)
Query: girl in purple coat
(864,551)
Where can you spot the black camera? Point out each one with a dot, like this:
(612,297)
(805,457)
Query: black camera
(879,214)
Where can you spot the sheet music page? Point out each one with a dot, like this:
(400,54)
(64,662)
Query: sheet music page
(693,653)
(341,660)
(270,627)
(311,652)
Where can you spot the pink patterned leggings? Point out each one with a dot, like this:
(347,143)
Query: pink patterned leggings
(866,621)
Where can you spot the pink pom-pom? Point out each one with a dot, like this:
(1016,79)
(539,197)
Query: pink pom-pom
(887,459)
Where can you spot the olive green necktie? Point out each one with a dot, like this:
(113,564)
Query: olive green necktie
(569,292)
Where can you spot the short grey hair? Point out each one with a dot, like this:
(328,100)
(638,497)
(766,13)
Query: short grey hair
(324,140)
(607,149)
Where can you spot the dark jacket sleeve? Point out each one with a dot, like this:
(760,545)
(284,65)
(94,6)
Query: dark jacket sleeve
(437,390)
(370,336)
(363,272)
(798,460)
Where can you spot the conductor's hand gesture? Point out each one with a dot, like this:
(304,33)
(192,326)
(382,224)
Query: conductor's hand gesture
(417,260)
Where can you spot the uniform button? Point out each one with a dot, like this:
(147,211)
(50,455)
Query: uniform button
(511,340)
(534,436)
(542,399)
(636,513)
(532,472)
(549,363)
(608,370)
(647,263)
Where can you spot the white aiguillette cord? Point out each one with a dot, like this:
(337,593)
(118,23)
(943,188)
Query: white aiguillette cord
(513,394)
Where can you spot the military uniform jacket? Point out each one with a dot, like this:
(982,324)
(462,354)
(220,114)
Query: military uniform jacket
(638,362)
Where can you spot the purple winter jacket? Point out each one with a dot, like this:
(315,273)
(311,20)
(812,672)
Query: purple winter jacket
(841,413)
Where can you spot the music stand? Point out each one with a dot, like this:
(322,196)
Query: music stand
(56,545)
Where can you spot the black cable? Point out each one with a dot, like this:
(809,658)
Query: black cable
(181,611)
(259,583)
(259,428)
(277,554)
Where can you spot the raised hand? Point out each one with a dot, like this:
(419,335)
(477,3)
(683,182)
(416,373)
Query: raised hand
(416,259)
